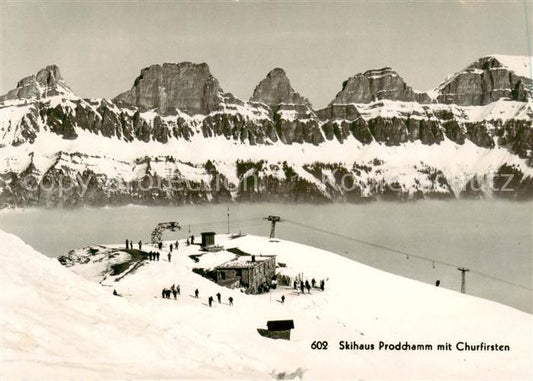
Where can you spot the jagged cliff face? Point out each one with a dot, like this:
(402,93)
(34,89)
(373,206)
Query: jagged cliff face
(486,81)
(176,125)
(46,83)
(188,87)
(375,85)
(276,89)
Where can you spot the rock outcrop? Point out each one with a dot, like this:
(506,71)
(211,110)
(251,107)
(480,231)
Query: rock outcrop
(293,118)
(187,87)
(276,112)
(276,89)
(374,85)
(487,80)
(46,83)
(181,105)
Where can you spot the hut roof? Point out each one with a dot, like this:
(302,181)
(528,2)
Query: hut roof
(244,262)
(280,325)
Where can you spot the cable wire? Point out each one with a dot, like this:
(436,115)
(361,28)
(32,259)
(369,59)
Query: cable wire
(404,253)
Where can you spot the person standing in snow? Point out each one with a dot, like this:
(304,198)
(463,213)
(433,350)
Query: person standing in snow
(157,255)
(282,298)
(196,293)
(308,286)
(302,287)
(322,284)
(187,242)
(295,284)
(174,291)
(164,293)
(313,282)
(178,290)
(140,245)
(230,299)
(192,240)
(218,297)
(176,245)
(160,245)
(127,244)
(171,248)
(169,256)
(210,300)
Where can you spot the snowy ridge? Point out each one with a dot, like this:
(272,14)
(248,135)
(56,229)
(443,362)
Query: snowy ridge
(520,65)
(416,167)
(16,116)
(502,110)
(62,135)
(81,330)
(200,150)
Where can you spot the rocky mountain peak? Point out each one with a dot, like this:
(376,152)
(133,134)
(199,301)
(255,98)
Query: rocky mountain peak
(276,89)
(487,80)
(47,82)
(186,86)
(377,84)
(277,72)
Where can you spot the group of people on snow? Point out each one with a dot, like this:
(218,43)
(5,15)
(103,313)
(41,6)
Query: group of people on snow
(129,244)
(219,299)
(171,246)
(302,286)
(153,256)
(211,299)
(307,286)
(174,290)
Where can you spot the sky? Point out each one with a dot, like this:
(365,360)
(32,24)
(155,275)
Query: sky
(101,46)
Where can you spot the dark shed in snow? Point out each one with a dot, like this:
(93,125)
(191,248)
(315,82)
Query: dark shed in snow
(277,329)
(208,239)
(280,325)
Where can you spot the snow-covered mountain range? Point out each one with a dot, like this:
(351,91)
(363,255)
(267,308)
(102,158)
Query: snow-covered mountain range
(378,138)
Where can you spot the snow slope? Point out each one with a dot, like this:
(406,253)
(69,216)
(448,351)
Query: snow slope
(56,324)
(520,65)
(116,157)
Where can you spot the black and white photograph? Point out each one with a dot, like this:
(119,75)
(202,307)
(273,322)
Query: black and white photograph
(266,190)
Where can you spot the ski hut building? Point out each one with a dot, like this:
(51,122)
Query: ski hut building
(277,329)
(208,239)
(253,272)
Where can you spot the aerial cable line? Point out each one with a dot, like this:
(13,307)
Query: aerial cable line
(258,221)
(500,279)
(213,223)
(238,220)
(225,223)
(406,254)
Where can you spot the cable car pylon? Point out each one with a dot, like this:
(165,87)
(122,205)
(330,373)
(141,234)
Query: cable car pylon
(273,220)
